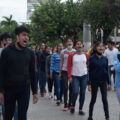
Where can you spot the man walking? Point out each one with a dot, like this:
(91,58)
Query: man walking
(17,72)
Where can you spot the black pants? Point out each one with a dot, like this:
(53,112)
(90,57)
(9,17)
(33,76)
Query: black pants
(50,85)
(66,85)
(21,95)
(103,89)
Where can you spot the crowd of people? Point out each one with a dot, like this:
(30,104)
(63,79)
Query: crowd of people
(65,73)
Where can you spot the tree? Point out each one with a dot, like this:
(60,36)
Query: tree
(8,21)
(55,20)
(100,14)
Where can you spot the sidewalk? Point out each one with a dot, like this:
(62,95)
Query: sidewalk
(47,110)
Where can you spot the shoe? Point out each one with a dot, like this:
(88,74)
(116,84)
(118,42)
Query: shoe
(65,108)
(55,98)
(42,94)
(72,110)
(50,96)
(45,91)
(107,119)
(90,118)
(58,102)
(81,113)
(69,106)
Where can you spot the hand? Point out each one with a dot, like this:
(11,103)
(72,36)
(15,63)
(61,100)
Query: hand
(70,80)
(1,98)
(89,88)
(60,76)
(109,87)
(51,76)
(48,76)
(35,98)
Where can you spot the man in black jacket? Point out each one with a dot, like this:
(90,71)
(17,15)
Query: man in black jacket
(17,74)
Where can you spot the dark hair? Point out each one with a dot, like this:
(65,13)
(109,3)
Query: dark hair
(5,35)
(111,42)
(69,39)
(21,29)
(94,48)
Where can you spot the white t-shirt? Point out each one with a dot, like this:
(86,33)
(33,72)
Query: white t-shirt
(110,55)
(79,67)
(65,54)
(1,51)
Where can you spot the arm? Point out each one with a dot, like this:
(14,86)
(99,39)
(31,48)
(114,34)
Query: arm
(116,63)
(69,65)
(87,56)
(46,66)
(33,79)
(52,64)
(108,80)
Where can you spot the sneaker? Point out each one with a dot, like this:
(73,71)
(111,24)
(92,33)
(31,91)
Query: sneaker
(65,108)
(81,113)
(58,102)
(107,119)
(55,98)
(90,118)
(45,91)
(69,106)
(72,110)
(50,96)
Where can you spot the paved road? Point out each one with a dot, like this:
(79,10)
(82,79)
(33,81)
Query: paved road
(47,110)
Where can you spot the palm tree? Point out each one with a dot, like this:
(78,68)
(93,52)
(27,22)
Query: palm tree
(8,21)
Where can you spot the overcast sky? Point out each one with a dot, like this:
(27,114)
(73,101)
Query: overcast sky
(18,8)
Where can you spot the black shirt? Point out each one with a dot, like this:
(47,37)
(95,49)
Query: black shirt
(98,69)
(17,68)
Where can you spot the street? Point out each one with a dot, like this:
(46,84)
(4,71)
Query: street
(47,110)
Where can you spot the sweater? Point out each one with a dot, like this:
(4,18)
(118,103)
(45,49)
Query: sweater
(17,68)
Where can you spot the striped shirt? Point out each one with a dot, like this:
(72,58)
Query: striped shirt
(55,63)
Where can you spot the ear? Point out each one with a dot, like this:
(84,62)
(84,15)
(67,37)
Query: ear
(17,38)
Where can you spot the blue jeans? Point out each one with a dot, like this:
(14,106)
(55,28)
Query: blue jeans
(118,96)
(58,86)
(39,76)
(43,81)
(79,83)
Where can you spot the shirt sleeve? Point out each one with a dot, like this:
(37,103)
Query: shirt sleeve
(116,63)
(52,64)
(3,67)
(33,78)
(69,65)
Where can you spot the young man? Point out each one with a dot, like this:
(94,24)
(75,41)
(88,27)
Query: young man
(110,52)
(63,73)
(78,76)
(17,72)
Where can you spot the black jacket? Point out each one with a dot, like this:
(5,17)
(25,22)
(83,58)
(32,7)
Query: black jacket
(17,68)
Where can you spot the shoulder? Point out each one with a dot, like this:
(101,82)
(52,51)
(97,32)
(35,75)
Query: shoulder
(63,51)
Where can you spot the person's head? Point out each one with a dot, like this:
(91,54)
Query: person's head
(111,45)
(33,48)
(69,43)
(22,36)
(37,48)
(98,48)
(42,47)
(54,50)
(47,50)
(59,47)
(79,45)
(5,39)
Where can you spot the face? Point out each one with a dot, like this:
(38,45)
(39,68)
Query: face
(9,41)
(100,48)
(69,42)
(42,46)
(79,46)
(54,50)
(23,39)
(110,46)
(33,49)
(60,47)
(47,50)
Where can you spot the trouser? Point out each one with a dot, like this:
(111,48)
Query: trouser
(19,95)
(65,84)
(118,96)
(15,113)
(50,85)
(43,82)
(39,77)
(110,74)
(103,89)
(58,86)
(79,83)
